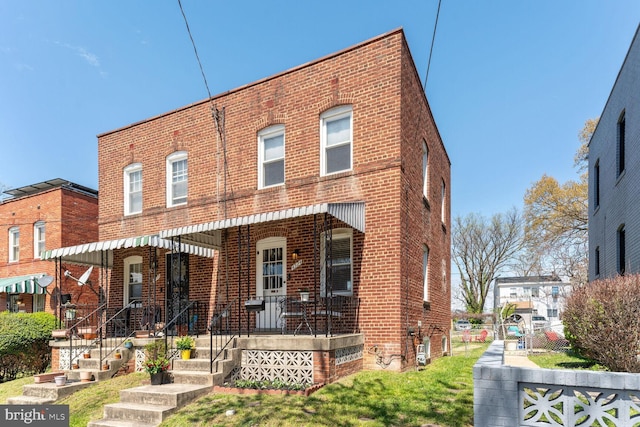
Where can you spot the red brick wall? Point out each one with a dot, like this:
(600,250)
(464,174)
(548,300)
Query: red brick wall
(390,119)
(70,218)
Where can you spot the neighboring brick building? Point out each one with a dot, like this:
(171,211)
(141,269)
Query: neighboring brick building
(614,176)
(330,176)
(34,218)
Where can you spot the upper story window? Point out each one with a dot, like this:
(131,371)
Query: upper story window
(177,182)
(597,261)
(133,189)
(622,257)
(596,184)
(425,273)
(38,239)
(621,143)
(271,156)
(443,209)
(132,279)
(336,136)
(425,170)
(336,255)
(14,244)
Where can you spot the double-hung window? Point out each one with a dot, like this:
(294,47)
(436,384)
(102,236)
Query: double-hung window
(133,189)
(177,178)
(271,156)
(14,244)
(425,170)
(38,239)
(425,273)
(336,254)
(336,139)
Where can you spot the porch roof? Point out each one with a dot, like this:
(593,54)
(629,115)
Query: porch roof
(22,284)
(208,235)
(97,253)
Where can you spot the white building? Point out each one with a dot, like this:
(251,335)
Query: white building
(532,296)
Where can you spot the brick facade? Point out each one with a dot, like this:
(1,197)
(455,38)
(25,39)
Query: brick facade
(391,121)
(70,217)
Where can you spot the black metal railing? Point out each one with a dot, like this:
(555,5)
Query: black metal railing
(220,332)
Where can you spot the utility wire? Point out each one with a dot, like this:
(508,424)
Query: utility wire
(433,39)
(193,43)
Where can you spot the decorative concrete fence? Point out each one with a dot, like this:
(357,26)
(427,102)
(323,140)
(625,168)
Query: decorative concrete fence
(506,396)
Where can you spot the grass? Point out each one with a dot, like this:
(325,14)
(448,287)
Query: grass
(439,395)
(560,360)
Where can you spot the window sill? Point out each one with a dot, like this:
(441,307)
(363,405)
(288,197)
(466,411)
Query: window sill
(335,175)
(426,204)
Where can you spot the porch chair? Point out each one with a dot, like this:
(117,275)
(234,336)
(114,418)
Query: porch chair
(289,309)
(332,309)
(482,337)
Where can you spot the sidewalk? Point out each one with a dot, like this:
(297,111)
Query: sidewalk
(519,361)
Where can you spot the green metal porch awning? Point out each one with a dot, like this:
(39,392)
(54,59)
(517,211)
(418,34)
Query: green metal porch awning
(22,284)
(101,253)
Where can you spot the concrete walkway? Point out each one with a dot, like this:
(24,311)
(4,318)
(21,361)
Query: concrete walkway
(518,361)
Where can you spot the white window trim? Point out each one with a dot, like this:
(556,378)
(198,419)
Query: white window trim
(13,243)
(425,170)
(262,135)
(175,157)
(425,273)
(128,261)
(338,233)
(444,203)
(134,167)
(37,227)
(328,116)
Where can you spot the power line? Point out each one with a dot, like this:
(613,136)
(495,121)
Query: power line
(433,39)
(193,43)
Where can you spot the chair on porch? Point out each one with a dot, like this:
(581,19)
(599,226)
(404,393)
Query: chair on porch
(332,309)
(289,309)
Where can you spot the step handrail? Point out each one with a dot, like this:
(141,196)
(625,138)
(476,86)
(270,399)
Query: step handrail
(218,317)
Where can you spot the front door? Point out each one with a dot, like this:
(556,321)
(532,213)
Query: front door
(271,279)
(177,292)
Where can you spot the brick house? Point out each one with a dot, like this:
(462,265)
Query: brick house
(330,177)
(34,218)
(614,178)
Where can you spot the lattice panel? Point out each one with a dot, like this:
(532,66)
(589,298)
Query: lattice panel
(140,359)
(65,360)
(559,405)
(349,354)
(289,366)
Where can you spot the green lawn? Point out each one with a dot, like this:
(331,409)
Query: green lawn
(440,395)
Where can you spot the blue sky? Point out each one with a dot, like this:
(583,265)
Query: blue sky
(510,85)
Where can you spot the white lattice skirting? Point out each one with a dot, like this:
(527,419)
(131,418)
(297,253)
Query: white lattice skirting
(65,361)
(288,366)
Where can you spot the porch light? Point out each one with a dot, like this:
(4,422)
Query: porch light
(295,254)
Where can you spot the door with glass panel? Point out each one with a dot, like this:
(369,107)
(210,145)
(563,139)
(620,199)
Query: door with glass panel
(271,280)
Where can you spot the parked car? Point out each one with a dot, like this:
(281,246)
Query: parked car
(462,325)
(538,321)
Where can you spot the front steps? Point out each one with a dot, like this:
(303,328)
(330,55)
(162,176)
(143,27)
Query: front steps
(148,405)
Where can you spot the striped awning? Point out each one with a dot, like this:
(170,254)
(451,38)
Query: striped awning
(22,284)
(101,253)
(209,234)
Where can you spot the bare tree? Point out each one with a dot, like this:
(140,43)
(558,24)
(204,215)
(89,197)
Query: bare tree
(481,247)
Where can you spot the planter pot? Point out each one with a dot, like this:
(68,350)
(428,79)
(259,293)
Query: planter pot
(185,354)
(117,355)
(60,380)
(75,366)
(85,376)
(105,367)
(157,379)
(304,296)
(87,355)
(128,344)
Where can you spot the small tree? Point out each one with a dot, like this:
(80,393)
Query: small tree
(602,323)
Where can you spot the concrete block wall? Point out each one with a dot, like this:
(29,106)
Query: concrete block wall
(496,389)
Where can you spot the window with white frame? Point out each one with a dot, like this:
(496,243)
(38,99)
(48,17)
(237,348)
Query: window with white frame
(444,203)
(38,302)
(336,255)
(425,170)
(425,273)
(14,244)
(133,189)
(336,136)
(271,156)
(177,179)
(38,239)
(132,279)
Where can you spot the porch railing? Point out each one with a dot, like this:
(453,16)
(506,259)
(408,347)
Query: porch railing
(220,331)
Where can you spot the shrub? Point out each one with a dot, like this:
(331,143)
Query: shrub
(602,323)
(24,343)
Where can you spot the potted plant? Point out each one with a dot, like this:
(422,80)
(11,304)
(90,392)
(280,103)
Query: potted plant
(128,343)
(86,354)
(185,344)
(157,362)
(117,354)
(304,294)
